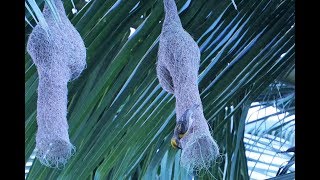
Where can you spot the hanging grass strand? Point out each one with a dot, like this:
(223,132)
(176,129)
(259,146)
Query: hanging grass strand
(60,57)
(177,71)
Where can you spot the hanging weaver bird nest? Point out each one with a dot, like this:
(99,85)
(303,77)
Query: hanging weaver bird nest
(177,71)
(60,56)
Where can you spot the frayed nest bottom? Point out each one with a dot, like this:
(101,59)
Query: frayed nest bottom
(55,153)
(198,152)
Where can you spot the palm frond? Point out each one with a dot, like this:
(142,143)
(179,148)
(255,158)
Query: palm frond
(119,117)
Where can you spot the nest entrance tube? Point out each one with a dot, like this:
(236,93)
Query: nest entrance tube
(60,56)
(54,153)
(199,150)
(177,72)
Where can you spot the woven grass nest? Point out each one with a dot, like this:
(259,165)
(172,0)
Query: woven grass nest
(177,71)
(60,56)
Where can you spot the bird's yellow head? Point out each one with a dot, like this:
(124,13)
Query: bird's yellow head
(175,143)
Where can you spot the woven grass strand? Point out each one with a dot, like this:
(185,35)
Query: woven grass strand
(177,71)
(60,56)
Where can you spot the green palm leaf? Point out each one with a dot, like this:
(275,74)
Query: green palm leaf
(120,119)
